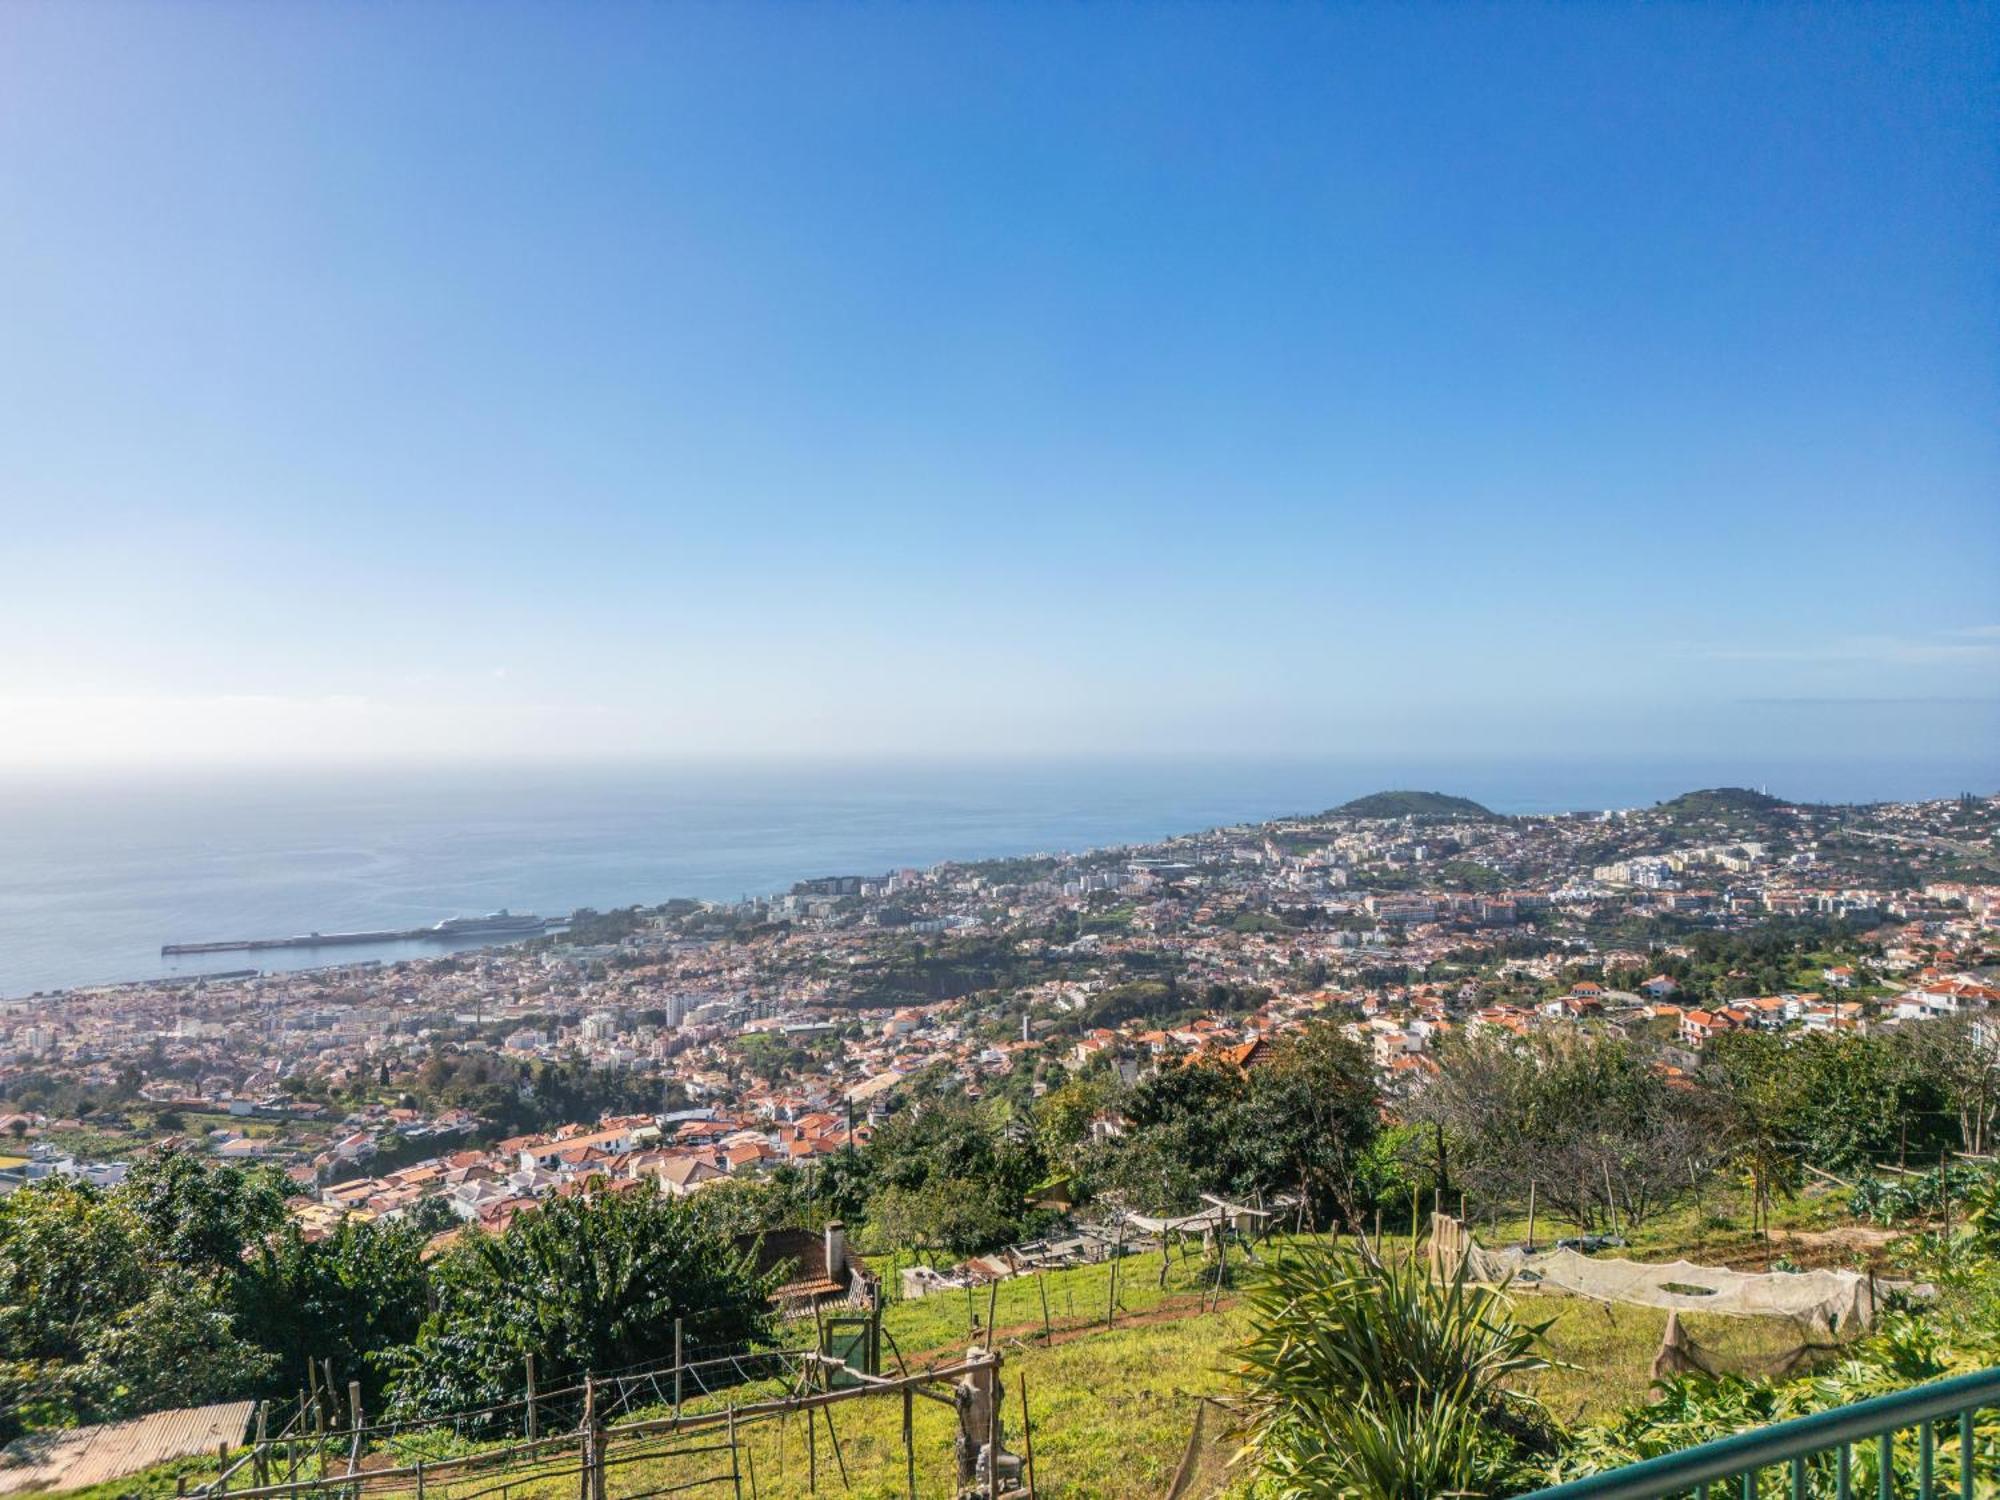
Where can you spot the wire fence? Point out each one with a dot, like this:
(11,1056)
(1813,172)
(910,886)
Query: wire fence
(622,1448)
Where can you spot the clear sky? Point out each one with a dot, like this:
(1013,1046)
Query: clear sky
(428,379)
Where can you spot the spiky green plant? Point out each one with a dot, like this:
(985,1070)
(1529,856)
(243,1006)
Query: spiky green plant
(1372,1381)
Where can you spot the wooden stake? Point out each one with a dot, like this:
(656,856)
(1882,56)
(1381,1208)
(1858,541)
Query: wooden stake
(1027,1436)
(838,1457)
(1531,1216)
(354,1418)
(1111,1301)
(534,1417)
(262,1466)
(910,1442)
(1042,1285)
(678,1361)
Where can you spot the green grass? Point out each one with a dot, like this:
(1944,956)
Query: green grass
(1111,1409)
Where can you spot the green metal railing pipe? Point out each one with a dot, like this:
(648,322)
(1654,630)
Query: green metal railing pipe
(1785,1443)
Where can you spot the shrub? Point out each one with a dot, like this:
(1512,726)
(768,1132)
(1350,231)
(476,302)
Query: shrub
(1371,1381)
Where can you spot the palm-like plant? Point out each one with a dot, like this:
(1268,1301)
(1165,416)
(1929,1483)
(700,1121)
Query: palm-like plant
(1371,1381)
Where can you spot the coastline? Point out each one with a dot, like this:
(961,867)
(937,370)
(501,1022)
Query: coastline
(92,882)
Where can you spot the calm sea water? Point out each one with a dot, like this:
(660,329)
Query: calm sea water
(97,872)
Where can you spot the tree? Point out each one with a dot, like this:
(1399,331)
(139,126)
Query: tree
(1582,1117)
(593,1282)
(1308,1118)
(199,1215)
(178,1346)
(1962,1056)
(69,1262)
(1757,1106)
(349,1297)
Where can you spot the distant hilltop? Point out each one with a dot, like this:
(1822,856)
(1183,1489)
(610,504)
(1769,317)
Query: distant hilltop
(1411,805)
(1724,799)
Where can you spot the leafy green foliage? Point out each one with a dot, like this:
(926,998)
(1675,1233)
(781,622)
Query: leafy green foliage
(349,1297)
(198,1215)
(592,1282)
(1369,1380)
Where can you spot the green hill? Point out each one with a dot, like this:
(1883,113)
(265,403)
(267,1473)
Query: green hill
(1724,802)
(1411,805)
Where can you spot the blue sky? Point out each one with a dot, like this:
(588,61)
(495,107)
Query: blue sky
(466,380)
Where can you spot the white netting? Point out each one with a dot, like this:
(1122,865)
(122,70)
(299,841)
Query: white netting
(1841,1303)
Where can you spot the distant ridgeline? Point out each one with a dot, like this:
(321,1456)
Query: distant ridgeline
(1412,805)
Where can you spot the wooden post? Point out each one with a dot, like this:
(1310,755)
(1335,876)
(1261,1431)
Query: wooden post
(262,1465)
(1944,1192)
(1027,1437)
(354,1419)
(833,1437)
(735,1464)
(992,1306)
(1042,1285)
(909,1441)
(587,1444)
(534,1420)
(420,1479)
(1111,1299)
(1531,1216)
(678,1362)
(994,1390)
(812,1453)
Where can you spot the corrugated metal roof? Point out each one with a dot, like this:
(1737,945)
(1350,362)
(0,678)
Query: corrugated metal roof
(80,1456)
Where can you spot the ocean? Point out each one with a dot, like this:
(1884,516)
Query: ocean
(98,870)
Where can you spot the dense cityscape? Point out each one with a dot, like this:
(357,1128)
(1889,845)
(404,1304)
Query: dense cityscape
(693,1043)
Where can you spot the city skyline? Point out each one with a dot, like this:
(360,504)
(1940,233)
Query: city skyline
(521,383)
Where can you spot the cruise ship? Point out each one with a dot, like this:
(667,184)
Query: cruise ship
(496,922)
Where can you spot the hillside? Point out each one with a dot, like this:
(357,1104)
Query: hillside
(1411,805)
(1735,810)
(1723,801)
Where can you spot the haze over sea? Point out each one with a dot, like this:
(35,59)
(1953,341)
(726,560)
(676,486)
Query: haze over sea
(98,870)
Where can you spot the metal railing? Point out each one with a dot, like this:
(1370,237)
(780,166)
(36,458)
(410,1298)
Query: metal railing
(1816,1455)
